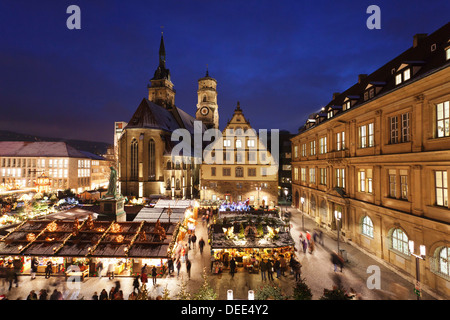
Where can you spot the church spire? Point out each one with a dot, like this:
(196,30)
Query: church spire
(162,52)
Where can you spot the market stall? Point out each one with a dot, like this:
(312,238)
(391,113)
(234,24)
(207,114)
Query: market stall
(77,246)
(249,239)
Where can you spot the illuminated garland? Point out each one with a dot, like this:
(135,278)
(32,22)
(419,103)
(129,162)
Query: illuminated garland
(174,239)
(127,249)
(55,250)
(91,250)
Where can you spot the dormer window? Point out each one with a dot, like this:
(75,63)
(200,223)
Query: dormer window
(403,76)
(346,105)
(330,114)
(447,53)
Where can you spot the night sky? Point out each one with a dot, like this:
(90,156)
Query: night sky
(281,59)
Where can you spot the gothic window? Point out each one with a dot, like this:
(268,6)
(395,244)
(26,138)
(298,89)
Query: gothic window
(134,159)
(151,160)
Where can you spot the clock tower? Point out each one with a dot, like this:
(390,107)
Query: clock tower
(207,108)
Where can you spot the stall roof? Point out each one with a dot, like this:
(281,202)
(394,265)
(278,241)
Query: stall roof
(58,238)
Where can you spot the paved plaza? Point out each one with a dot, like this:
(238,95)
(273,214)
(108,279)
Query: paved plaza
(317,270)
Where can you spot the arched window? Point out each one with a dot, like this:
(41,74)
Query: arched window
(367,227)
(151,160)
(444,264)
(169,165)
(399,241)
(204,98)
(134,159)
(168,184)
(178,184)
(239,172)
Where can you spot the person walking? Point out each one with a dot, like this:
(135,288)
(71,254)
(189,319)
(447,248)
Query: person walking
(277,267)
(32,295)
(43,294)
(103,295)
(95,296)
(263,268)
(154,274)
(283,265)
(311,247)
(337,261)
(232,267)
(304,245)
(170,265)
(99,269)
(194,240)
(189,240)
(297,270)
(136,284)
(201,244)
(270,270)
(34,267)
(178,267)
(188,268)
(48,270)
(144,275)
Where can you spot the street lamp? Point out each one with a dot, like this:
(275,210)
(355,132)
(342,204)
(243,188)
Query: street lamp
(303,213)
(251,295)
(230,294)
(338,216)
(421,256)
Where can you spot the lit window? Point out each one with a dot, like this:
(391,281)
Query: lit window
(365,180)
(295,151)
(340,178)
(406,74)
(447,53)
(398,79)
(323,176)
(400,241)
(312,175)
(443,119)
(366,136)
(295,174)
(444,263)
(238,143)
(250,143)
(303,174)
(340,141)
(367,227)
(227,143)
(313,147)
(441,188)
(323,145)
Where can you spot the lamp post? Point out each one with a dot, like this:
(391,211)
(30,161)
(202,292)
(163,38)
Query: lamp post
(420,256)
(303,213)
(338,216)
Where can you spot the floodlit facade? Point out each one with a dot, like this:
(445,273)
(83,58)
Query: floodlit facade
(379,155)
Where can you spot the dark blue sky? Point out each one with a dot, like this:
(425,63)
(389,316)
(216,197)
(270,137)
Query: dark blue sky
(281,59)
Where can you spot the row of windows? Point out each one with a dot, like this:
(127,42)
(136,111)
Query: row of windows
(33,163)
(399,132)
(397,187)
(399,242)
(239,172)
(239,144)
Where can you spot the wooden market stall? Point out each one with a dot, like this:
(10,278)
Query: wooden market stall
(249,239)
(74,246)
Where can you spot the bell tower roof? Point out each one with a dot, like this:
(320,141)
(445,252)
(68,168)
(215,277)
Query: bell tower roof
(162,72)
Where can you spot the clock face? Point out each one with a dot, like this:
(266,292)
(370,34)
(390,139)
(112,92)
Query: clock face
(204,111)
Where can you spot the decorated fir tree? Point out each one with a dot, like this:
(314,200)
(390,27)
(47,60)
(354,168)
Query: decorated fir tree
(143,293)
(302,291)
(337,293)
(166,294)
(206,292)
(270,292)
(183,294)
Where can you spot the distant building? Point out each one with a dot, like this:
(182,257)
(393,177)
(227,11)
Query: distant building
(378,155)
(23,162)
(239,167)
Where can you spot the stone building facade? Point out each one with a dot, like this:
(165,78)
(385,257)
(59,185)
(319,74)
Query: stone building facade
(379,155)
(239,167)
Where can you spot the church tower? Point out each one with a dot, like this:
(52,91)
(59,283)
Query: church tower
(161,91)
(207,108)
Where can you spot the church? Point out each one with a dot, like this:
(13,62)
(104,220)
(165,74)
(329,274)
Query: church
(146,165)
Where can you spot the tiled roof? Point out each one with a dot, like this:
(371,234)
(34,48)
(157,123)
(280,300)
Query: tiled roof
(38,149)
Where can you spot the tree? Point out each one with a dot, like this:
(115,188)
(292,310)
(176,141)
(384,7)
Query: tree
(206,292)
(143,293)
(270,292)
(337,293)
(166,294)
(302,291)
(183,294)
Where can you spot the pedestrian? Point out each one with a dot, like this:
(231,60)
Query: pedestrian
(194,240)
(178,267)
(48,269)
(283,265)
(99,268)
(311,247)
(95,296)
(232,267)
(34,267)
(154,274)
(189,240)
(337,261)
(297,270)
(111,271)
(263,268)
(43,294)
(203,220)
(103,295)
(213,259)
(277,267)
(32,295)
(188,267)
(308,237)
(112,292)
(170,265)
(321,237)
(304,245)
(201,244)
(270,270)
(136,284)
(54,295)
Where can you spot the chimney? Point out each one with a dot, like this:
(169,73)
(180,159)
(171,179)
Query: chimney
(335,95)
(418,38)
(361,77)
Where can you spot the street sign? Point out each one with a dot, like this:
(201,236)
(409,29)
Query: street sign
(418,288)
